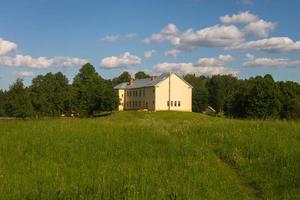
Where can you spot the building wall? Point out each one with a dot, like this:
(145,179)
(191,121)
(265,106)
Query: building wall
(121,94)
(140,98)
(156,98)
(180,93)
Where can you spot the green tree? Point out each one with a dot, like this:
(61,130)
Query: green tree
(141,75)
(50,94)
(220,90)
(200,92)
(124,77)
(2,103)
(90,93)
(290,100)
(263,99)
(18,101)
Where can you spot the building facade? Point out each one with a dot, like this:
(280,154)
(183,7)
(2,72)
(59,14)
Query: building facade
(165,92)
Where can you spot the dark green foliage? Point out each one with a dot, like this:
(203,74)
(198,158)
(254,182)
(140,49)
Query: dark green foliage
(200,92)
(262,100)
(141,75)
(91,93)
(124,77)
(18,102)
(50,94)
(2,103)
(220,88)
(290,100)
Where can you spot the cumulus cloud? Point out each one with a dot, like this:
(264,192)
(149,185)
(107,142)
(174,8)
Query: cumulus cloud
(253,24)
(218,61)
(273,45)
(115,38)
(204,66)
(174,53)
(252,61)
(40,62)
(149,54)
(260,28)
(6,46)
(214,36)
(24,74)
(242,17)
(124,60)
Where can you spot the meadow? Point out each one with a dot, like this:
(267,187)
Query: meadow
(149,155)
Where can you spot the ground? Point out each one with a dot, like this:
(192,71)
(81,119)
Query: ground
(149,155)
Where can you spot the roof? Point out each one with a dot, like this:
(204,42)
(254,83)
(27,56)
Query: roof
(147,82)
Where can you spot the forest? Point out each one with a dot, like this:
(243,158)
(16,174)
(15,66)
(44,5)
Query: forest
(89,94)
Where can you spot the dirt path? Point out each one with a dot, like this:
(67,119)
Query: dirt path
(245,186)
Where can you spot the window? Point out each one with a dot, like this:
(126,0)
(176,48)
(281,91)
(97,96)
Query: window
(144,92)
(175,103)
(146,104)
(130,93)
(178,103)
(140,93)
(143,103)
(153,102)
(122,95)
(168,103)
(171,103)
(153,90)
(140,103)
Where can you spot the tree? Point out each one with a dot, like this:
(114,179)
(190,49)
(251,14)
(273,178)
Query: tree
(220,90)
(50,94)
(290,100)
(18,101)
(124,77)
(141,75)
(200,92)
(263,99)
(90,93)
(2,103)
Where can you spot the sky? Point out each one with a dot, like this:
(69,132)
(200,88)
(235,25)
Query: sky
(244,38)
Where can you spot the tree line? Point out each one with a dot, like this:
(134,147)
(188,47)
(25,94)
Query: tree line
(256,97)
(90,94)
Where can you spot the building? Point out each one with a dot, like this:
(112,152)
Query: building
(165,92)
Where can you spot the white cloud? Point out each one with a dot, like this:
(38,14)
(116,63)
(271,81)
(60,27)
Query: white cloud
(260,28)
(174,53)
(242,17)
(6,46)
(251,61)
(253,24)
(24,74)
(274,45)
(124,60)
(214,36)
(149,54)
(204,66)
(40,62)
(115,38)
(219,61)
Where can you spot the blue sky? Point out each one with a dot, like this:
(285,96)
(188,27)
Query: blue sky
(240,37)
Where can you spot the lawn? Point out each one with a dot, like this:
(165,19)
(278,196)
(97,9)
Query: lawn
(144,155)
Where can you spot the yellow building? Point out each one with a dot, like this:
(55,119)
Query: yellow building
(165,92)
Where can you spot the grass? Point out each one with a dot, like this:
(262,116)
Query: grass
(143,155)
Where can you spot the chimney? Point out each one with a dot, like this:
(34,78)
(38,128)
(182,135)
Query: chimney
(153,78)
(132,81)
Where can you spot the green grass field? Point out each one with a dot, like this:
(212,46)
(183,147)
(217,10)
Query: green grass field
(143,155)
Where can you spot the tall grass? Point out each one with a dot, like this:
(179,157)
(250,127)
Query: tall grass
(141,155)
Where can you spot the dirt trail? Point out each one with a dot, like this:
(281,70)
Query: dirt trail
(245,186)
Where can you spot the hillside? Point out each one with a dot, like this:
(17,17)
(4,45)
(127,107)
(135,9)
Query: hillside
(144,155)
